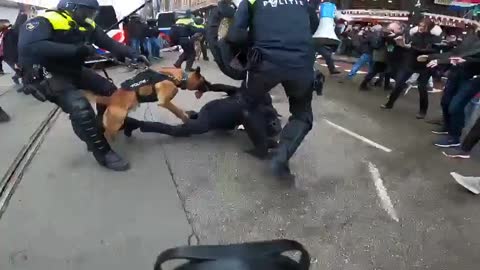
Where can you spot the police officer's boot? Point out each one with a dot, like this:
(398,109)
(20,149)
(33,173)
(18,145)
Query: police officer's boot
(180,60)
(3,116)
(255,127)
(86,127)
(290,139)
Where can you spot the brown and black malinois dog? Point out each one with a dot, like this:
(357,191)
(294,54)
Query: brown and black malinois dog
(148,86)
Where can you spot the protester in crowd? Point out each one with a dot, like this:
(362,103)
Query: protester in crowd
(377,42)
(154,44)
(362,40)
(182,32)
(8,50)
(137,32)
(458,78)
(422,38)
(10,43)
(200,24)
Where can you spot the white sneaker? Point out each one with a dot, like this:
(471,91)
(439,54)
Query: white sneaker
(470,183)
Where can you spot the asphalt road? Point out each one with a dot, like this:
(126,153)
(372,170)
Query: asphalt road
(371,192)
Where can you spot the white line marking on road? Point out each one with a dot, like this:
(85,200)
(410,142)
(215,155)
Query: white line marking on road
(361,72)
(382,192)
(360,137)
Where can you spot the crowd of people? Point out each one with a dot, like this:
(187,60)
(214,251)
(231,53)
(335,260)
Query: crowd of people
(395,52)
(422,54)
(145,37)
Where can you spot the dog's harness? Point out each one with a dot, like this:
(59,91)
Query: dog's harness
(151,77)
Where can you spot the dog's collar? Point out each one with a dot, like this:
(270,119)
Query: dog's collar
(182,83)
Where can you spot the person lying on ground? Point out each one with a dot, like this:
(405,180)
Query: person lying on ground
(220,114)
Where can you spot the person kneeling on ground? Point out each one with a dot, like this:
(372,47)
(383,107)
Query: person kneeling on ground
(219,114)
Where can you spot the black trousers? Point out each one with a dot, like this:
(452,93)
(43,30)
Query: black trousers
(188,54)
(400,85)
(203,46)
(457,76)
(377,68)
(65,92)
(299,93)
(191,127)
(472,138)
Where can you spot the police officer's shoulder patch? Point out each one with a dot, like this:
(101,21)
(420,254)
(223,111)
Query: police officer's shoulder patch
(31,25)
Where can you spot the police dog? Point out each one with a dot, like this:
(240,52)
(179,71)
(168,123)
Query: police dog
(148,86)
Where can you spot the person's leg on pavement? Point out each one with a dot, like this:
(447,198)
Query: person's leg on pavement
(387,85)
(190,56)
(423,79)
(362,61)
(16,76)
(191,127)
(73,102)
(203,46)
(456,76)
(327,56)
(469,142)
(156,46)
(377,67)
(186,54)
(254,121)
(136,45)
(4,117)
(300,123)
(400,85)
(456,111)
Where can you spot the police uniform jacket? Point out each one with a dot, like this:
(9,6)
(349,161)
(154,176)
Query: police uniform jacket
(282,31)
(53,39)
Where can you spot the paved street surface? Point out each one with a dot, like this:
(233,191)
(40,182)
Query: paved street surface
(371,191)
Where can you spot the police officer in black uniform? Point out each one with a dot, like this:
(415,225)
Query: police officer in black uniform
(60,40)
(281,51)
(184,29)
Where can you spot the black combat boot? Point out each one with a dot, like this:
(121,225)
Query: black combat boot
(86,127)
(290,139)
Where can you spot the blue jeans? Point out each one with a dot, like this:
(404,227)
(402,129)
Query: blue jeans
(456,110)
(365,59)
(137,44)
(154,47)
(456,78)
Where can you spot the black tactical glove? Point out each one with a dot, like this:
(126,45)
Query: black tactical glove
(85,51)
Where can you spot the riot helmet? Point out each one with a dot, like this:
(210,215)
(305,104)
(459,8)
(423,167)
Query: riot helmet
(80,10)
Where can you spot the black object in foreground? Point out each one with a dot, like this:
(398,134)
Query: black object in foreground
(266,255)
